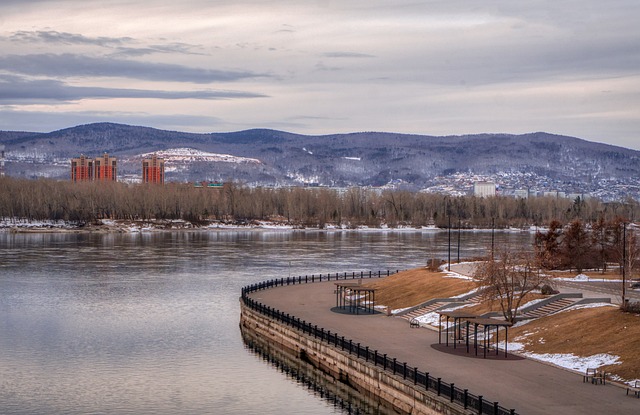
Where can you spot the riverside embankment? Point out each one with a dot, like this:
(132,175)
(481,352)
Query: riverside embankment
(527,386)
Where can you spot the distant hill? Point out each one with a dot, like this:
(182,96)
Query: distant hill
(366,158)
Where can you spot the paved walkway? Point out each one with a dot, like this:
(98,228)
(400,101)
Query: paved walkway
(528,386)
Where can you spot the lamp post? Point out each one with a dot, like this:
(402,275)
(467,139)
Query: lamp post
(493,227)
(458,240)
(624,262)
(449,250)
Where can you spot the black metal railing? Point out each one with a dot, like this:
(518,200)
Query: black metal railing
(390,364)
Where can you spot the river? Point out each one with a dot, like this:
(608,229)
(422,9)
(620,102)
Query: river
(147,323)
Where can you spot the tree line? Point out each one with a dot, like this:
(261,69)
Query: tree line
(86,202)
(579,246)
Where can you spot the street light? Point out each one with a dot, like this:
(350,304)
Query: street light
(449,231)
(624,263)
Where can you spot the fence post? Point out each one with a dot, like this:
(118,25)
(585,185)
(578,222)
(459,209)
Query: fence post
(366,356)
(495,408)
(466,396)
(375,357)
(480,404)
(439,385)
(415,375)
(394,365)
(358,351)
(404,370)
(384,362)
(451,390)
(426,381)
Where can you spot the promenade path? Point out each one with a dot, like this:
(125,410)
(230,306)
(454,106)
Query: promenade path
(528,386)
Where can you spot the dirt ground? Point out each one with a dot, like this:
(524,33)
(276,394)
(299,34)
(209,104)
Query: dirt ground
(583,332)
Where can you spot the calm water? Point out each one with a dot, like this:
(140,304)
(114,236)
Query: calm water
(148,323)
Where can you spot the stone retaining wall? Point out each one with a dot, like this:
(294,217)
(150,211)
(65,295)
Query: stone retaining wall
(392,390)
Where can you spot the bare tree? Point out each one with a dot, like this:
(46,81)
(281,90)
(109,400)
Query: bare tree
(508,278)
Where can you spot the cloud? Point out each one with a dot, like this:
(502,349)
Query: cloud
(69,65)
(54,37)
(346,55)
(122,46)
(14,89)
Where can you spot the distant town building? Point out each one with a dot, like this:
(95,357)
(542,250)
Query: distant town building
(209,185)
(521,193)
(81,169)
(105,168)
(1,160)
(484,189)
(153,170)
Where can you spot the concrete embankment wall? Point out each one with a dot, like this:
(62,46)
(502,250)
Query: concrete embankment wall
(392,390)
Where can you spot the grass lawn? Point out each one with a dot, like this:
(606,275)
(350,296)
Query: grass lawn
(582,332)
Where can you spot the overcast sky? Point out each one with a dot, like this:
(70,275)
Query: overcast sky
(322,66)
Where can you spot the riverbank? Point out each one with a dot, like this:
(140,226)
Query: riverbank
(156,225)
(528,386)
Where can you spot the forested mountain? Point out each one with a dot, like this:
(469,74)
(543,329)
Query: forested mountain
(367,158)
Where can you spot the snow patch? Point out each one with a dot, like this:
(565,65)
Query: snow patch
(188,155)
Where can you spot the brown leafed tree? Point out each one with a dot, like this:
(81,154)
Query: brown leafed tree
(508,278)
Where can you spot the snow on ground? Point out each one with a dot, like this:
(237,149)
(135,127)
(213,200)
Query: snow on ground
(433,318)
(453,274)
(585,278)
(186,155)
(475,290)
(566,360)
(532,302)
(35,224)
(590,305)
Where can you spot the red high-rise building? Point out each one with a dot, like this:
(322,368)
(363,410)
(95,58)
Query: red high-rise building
(105,168)
(81,169)
(153,170)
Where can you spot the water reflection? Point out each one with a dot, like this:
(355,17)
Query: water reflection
(148,322)
(342,397)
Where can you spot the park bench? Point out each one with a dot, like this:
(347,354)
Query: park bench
(635,389)
(595,376)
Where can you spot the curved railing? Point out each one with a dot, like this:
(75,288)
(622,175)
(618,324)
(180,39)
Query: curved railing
(387,363)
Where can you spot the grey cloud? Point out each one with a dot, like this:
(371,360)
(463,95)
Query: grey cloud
(13,89)
(346,55)
(168,48)
(120,44)
(51,36)
(67,65)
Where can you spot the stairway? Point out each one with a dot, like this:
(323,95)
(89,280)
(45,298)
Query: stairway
(424,310)
(550,308)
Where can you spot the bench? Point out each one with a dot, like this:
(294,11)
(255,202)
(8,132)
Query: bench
(595,376)
(413,323)
(635,389)
(589,375)
(600,377)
